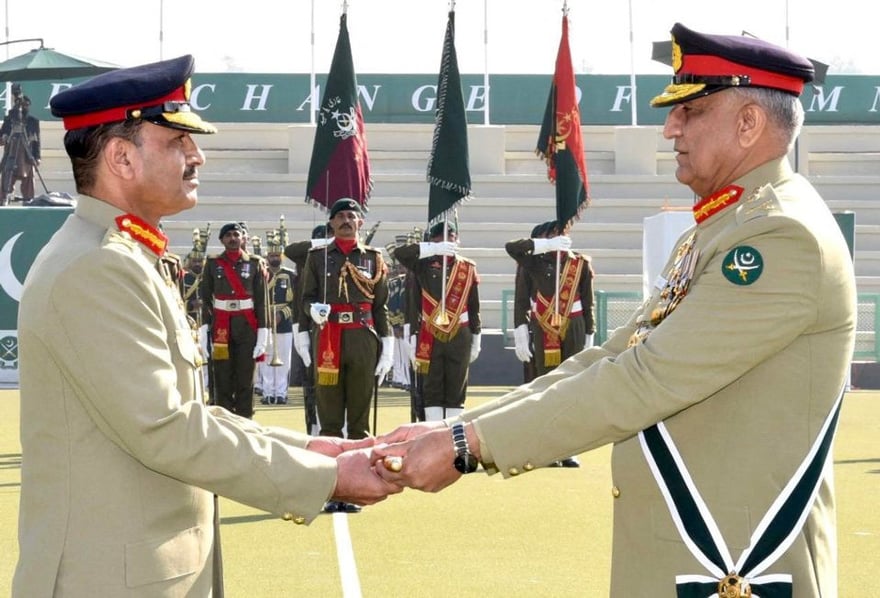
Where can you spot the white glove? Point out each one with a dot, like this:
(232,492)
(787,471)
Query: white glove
(560,243)
(296,338)
(406,331)
(386,358)
(589,341)
(304,347)
(320,312)
(262,340)
(475,346)
(521,338)
(203,340)
(441,248)
(413,345)
(321,242)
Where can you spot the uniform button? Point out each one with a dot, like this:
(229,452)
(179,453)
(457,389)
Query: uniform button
(287,517)
(615,491)
(528,467)
(513,471)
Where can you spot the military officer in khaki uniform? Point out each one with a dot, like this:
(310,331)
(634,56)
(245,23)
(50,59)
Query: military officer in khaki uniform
(446,337)
(121,458)
(721,393)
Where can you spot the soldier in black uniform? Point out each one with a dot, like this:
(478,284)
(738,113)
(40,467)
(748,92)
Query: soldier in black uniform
(448,336)
(234,309)
(561,328)
(297,253)
(345,306)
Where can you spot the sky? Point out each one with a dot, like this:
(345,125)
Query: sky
(406,36)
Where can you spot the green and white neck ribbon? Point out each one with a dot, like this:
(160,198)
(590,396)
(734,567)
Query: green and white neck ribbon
(775,533)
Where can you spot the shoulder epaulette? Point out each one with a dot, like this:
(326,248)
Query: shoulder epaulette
(760,202)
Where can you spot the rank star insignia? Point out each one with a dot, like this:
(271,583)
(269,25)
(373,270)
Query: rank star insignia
(742,265)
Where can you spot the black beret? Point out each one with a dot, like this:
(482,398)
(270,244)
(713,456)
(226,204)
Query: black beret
(437,229)
(705,63)
(229,227)
(345,204)
(157,92)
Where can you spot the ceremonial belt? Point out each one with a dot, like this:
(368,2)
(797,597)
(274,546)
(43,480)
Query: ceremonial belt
(458,288)
(555,325)
(233,304)
(342,317)
(774,534)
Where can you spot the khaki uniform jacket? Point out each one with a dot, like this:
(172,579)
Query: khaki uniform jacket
(742,375)
(120,457)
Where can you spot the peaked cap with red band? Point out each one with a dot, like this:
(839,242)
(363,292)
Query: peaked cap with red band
(157,92)
(705,63)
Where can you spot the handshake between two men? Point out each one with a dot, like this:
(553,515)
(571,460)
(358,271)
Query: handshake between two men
(419,456)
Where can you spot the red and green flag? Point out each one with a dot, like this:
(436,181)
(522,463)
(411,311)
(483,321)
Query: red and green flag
(560,141)
(449,175)
(340,165)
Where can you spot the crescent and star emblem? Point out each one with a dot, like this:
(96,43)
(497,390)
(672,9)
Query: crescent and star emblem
(8,282)
(743,265)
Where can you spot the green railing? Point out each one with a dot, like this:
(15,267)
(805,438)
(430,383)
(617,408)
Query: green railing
(614,308)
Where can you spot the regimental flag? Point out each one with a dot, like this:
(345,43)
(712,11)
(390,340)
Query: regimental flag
(449,176)
(560,141)
(340,165)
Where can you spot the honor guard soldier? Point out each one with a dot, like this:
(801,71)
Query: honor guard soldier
(281,288)
(447,338)
(559,328)
(233,292)
(345,305)
(121,459)
(721,394)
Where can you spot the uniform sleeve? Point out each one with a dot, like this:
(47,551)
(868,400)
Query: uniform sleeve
(521,250)
(206,292)
(522,293)
(310,286)
(718,332)
(408,255)
(380,300)
(587,298)
(474,320)
(127,363)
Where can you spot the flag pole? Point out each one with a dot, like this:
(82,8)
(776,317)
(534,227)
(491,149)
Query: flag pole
(632,68)
(486,60)
(312,98)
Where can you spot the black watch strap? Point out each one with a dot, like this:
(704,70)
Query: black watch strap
(465,461)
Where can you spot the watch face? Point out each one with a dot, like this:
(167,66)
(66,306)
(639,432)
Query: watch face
(465,463)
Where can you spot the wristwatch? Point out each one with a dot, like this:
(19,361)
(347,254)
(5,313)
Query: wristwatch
(465,462)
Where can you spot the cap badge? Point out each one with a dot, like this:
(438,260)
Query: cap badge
(676,56)
(742,265)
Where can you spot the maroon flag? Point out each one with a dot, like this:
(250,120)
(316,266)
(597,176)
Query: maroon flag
(340,165)
(560,141)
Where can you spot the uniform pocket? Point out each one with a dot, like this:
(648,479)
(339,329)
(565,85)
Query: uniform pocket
(160,560)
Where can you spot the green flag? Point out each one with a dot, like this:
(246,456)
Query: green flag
(449,176)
